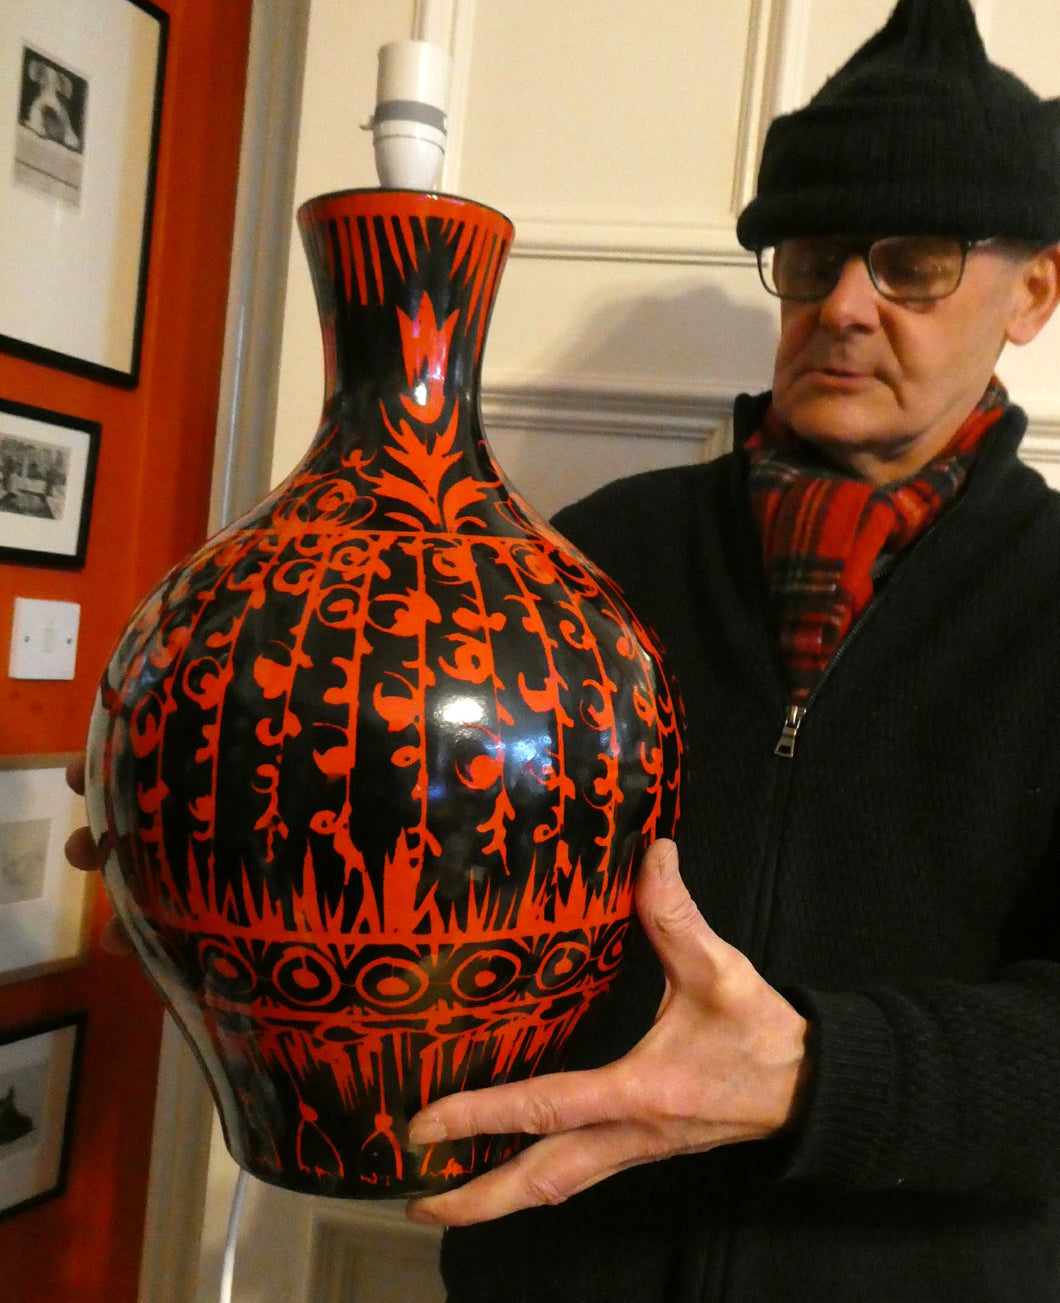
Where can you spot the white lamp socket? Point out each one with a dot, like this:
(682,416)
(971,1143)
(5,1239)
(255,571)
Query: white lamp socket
(409,126)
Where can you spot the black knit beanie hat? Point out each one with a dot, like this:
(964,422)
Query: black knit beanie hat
(917,134)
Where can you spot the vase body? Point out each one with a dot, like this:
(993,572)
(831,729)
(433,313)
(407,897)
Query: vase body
(374,767)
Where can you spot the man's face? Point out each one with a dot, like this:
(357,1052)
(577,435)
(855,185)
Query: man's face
(881,387)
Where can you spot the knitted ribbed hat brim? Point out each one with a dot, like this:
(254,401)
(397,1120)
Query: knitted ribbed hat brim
(913,137)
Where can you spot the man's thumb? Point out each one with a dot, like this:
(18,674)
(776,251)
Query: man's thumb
(667,912)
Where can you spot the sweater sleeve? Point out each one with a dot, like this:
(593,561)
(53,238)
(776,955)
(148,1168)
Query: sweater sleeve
(944,1087)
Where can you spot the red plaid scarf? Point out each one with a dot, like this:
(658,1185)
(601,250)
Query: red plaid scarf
(826,536)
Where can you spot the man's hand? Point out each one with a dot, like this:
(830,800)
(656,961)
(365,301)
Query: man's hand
(722,1063)
(81,849)
(83,852)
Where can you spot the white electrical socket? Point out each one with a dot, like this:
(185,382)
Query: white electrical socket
(43,639)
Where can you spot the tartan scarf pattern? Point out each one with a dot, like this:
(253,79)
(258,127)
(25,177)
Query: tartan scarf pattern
(826,538)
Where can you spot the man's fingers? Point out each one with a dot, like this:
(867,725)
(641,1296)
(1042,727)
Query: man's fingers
(75,775)
(665,908)
(114,939)
(548,1172)
(673,924)
(81,849)
(559,1102)
(572,1100)
(82,852)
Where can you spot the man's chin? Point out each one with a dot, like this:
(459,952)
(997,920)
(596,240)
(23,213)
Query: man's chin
(836,418)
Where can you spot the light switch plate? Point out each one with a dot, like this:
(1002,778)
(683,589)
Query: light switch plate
(43,639)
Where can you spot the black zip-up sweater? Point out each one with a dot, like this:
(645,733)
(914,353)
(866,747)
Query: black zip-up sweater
(897,878)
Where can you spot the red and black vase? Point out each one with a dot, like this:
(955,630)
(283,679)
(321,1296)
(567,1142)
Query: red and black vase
(375,766)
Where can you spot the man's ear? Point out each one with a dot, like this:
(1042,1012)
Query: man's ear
(1037,295)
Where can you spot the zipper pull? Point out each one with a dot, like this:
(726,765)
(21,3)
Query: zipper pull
(786,742)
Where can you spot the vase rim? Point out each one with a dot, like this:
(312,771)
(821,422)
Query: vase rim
(388,199)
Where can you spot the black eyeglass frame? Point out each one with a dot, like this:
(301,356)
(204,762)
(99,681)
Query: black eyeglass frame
(864,252)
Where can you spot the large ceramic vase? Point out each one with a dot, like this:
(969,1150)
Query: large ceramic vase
(375,766)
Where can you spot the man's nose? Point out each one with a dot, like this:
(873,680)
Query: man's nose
(854,301)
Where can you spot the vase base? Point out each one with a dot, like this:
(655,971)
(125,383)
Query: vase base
(404,1174)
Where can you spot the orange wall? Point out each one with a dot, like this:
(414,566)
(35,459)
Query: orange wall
(150,508)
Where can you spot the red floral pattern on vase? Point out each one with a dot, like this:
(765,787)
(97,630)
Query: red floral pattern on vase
(375,765)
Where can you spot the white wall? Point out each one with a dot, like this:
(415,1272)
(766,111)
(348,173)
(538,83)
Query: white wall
(622,140)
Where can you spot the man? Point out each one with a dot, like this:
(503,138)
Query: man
(856,1093)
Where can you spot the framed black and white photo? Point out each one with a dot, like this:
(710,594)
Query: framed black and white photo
(50,136)
(47,473)
(80,108)
(44,902)
(39,1067)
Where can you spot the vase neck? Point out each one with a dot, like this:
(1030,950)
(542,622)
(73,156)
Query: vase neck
(405,284)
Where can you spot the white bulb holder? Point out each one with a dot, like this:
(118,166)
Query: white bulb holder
(409,125)
(408,163)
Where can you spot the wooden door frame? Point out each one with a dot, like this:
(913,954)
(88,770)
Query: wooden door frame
(242,467)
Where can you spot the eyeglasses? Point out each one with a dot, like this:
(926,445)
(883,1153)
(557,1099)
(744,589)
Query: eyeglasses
(903,268)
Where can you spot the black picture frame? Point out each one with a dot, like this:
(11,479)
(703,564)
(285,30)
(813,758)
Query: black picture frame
(47,479)
(45,903)
(83,83)
(40,1066)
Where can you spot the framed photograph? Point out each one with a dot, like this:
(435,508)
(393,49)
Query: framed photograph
(47,473)
(44,902)
(38,1086)
(80,107)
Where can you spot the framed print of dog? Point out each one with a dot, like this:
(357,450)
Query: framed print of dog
(38,1086)
(80,108)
